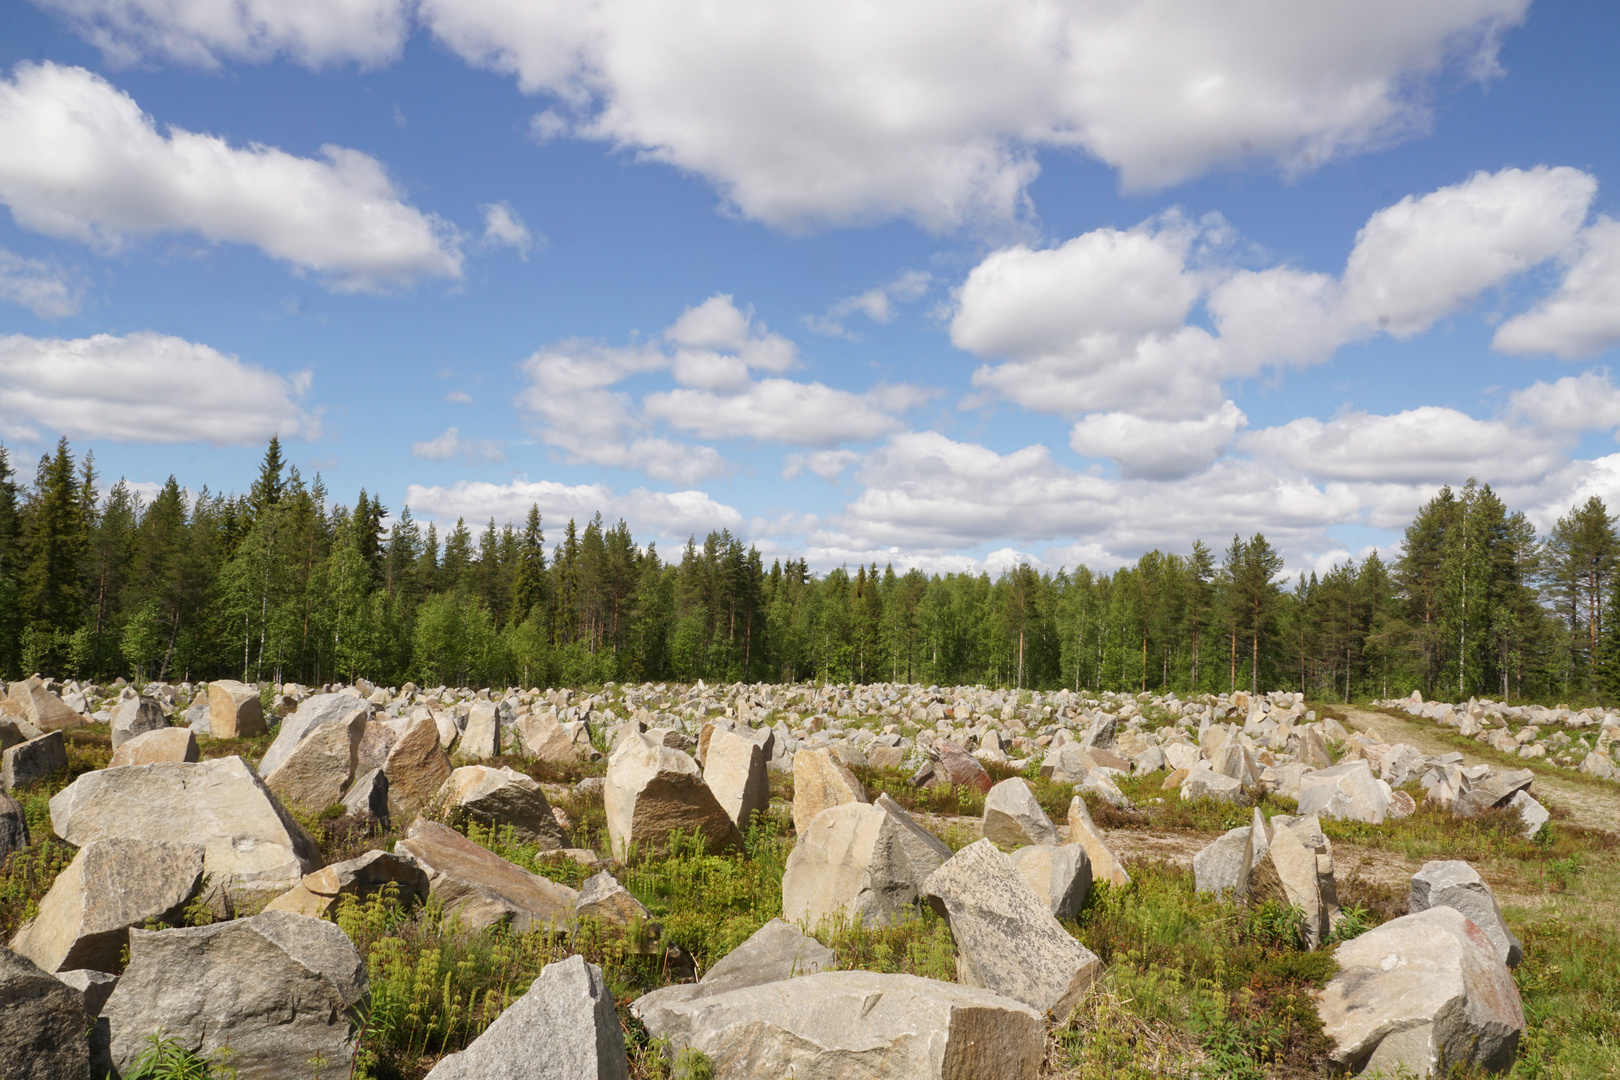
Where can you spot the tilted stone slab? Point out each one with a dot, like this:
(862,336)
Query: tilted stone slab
(1006,938)
(1013,817)
(1426,993)
(1455,884)
(478,889)
(653,791)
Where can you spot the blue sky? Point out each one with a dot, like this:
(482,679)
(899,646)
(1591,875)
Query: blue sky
(943,285)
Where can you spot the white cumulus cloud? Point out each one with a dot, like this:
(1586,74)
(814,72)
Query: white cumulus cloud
(667,515)
(145,388)
(206,32)
(38,286)
(1162,449)
(1582,317)
(452,444)
(845,112)
(504,228)
(82,162)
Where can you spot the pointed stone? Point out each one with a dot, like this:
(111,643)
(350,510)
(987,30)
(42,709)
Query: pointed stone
(1104,865)
(821,781)
(1013,817)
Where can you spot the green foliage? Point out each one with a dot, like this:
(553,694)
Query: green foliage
(165,1059)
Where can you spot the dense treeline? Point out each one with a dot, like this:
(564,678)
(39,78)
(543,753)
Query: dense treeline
(279,585)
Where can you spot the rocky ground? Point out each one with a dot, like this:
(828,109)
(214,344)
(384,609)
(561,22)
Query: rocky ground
(732,881)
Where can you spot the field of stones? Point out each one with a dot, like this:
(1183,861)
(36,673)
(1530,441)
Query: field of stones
(817,881)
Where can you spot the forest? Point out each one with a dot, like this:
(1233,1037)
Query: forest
(281,584)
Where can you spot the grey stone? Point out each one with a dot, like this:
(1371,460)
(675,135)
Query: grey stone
(276,988)
(844,1025)
(14,730)
(42,708)
(1427,993)
(1083,831)
(367,797)
(500,797)
(1455,884)
(653,791)
(478,889)
(316,772)
(234,710)
(855,859)
(1532,813)
(602,897)
(1494,789)
(96,986)
(110,886)
(1006,939)
(13,826)
(481,739)
(1203,782)
(921,849)
(319,894)
(417,768)
(734,769)
(1059,874)
(34,760)
(1012,816)
(164,744)
(312,713)
(821,781)
(1222,867)
(252,846)
(564,1028)
(42,1024)
(136,716)
(1347,791)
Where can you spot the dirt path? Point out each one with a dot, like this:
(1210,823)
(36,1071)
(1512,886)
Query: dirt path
(1594,806)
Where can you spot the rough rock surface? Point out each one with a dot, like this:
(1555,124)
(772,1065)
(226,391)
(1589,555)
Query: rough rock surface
(840,1025)
(316,772)
(165,744)
(33,760)
(734,769)
(1082,831)
(481,739)
(367,797)
(13,826)
(961,769)
(602,897)
(652,791)
(96,986)
(856,859)
(41,708)
(42,1023)
(479,889)
(1006,938)
(417,768)
(1455,884)
(1059,874)
(776,951)
(564,1028)
(110,886)
(136,716)
(1203,782)
(1347,791)
(277,988)
(1013,818)
(1426,992)
(821,781)
(1222,867)
(498,797)
(251,845)
(314,712)
(319,893)
(234,710)
(543,737)
(1297,850)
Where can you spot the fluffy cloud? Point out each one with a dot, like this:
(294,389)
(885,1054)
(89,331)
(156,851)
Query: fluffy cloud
(712,351)
(1426,445)
(827,464)
(504,228)
(877,304)
(1157,449)
(145,388)
(1571,405)
(843,112)
(37,286)
(206,32)
(1105,323)
(83,162)
(452,444)
(668,515)
(1583,316)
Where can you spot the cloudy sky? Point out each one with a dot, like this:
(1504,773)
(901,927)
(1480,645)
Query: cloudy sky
(943,284)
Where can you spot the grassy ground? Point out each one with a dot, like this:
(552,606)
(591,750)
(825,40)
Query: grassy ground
(1194,987)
